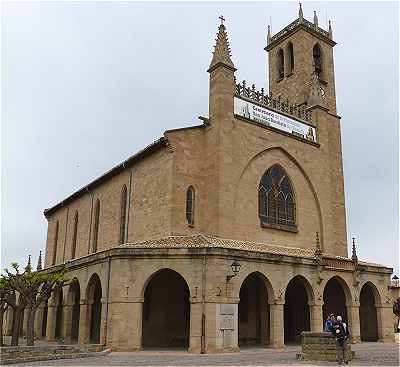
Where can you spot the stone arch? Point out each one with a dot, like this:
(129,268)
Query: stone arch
(166,310)
(256,295)
(304,174)
(94,294)
(298,297)
(369,300)
(336,296)
(73,300)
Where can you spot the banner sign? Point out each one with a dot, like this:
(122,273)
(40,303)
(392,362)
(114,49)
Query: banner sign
(274,119)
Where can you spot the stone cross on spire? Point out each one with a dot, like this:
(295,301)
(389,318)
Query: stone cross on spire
(222,52)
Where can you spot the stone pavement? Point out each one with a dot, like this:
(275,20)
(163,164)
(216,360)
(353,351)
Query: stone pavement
(367,354)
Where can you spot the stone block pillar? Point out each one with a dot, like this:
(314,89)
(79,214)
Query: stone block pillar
(84,323)
(9,322)
(51,323)
(385,322)
(67,322)
(316,317)
(277,324)
(353,314)
(125,333)
(39,321)
(195,325)
(103,321)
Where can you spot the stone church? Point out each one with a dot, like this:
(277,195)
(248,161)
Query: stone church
(226,234)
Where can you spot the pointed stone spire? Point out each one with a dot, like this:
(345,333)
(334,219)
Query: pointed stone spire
(315,96)
(39,264)
(330,30)
(301,17)
(28,267)
(317,251)
(269,35)
(354,252)
(222,52)
(315,19)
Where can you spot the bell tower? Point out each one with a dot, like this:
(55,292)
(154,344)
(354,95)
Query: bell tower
(300,59)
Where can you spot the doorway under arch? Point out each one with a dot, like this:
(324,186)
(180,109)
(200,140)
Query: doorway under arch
(254,312)
(296,310)
(59,312)
(166,311)
(368,313)
(74,298)
(335,299)
(94,295)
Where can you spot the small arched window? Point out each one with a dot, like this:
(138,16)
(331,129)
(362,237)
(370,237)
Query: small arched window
(190,205)
(290,58)
(74,236)
(55,243)
(276,204)
(317,58)
(281,64)
(96,225)
(123,214)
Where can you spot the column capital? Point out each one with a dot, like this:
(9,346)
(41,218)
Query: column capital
(83,301)
(315,303)
(355,304)
(279,302)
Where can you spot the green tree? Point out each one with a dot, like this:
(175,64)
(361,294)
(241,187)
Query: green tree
(35,287)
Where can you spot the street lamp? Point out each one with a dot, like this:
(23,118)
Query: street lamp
(235,270)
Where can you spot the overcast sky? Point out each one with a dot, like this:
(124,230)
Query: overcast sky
(85,85)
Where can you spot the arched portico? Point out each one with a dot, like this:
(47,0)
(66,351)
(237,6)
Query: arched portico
(72,311)
(254,311)
(369,299)
(94,309)
(166,311)
(336,297)
(298,296)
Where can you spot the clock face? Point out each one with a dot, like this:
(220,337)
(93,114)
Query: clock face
(321,90)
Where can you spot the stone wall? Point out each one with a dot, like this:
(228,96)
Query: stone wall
(21,354)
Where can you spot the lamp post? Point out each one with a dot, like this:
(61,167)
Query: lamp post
(235,266)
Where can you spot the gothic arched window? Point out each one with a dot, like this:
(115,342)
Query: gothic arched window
(123,216)
(281,64)
(190,205)
(290,57)
(276,204)
(74,236)
(55,244)
(317,57)
(96,225)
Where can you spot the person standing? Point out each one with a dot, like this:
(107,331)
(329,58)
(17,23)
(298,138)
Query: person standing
(329,323)
(341,331)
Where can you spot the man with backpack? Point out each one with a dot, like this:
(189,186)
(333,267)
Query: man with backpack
(341,332)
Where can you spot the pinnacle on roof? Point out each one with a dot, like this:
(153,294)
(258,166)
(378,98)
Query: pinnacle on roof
(354,252)
(39,264)
(330,30)
(28,267)
(222,52)
(315,19)
(300,12)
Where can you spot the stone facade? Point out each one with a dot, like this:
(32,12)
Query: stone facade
(120,291)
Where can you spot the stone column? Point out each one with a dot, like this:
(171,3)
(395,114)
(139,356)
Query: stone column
(39,321)
(67,322)
(51,322)
(277,324)
(103,321)
(8,326)
(195,325)
(385,327)
(316,317)
(353,314)
(84,322)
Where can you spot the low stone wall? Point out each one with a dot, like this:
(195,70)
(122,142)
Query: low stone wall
(320,347)
(20,354)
